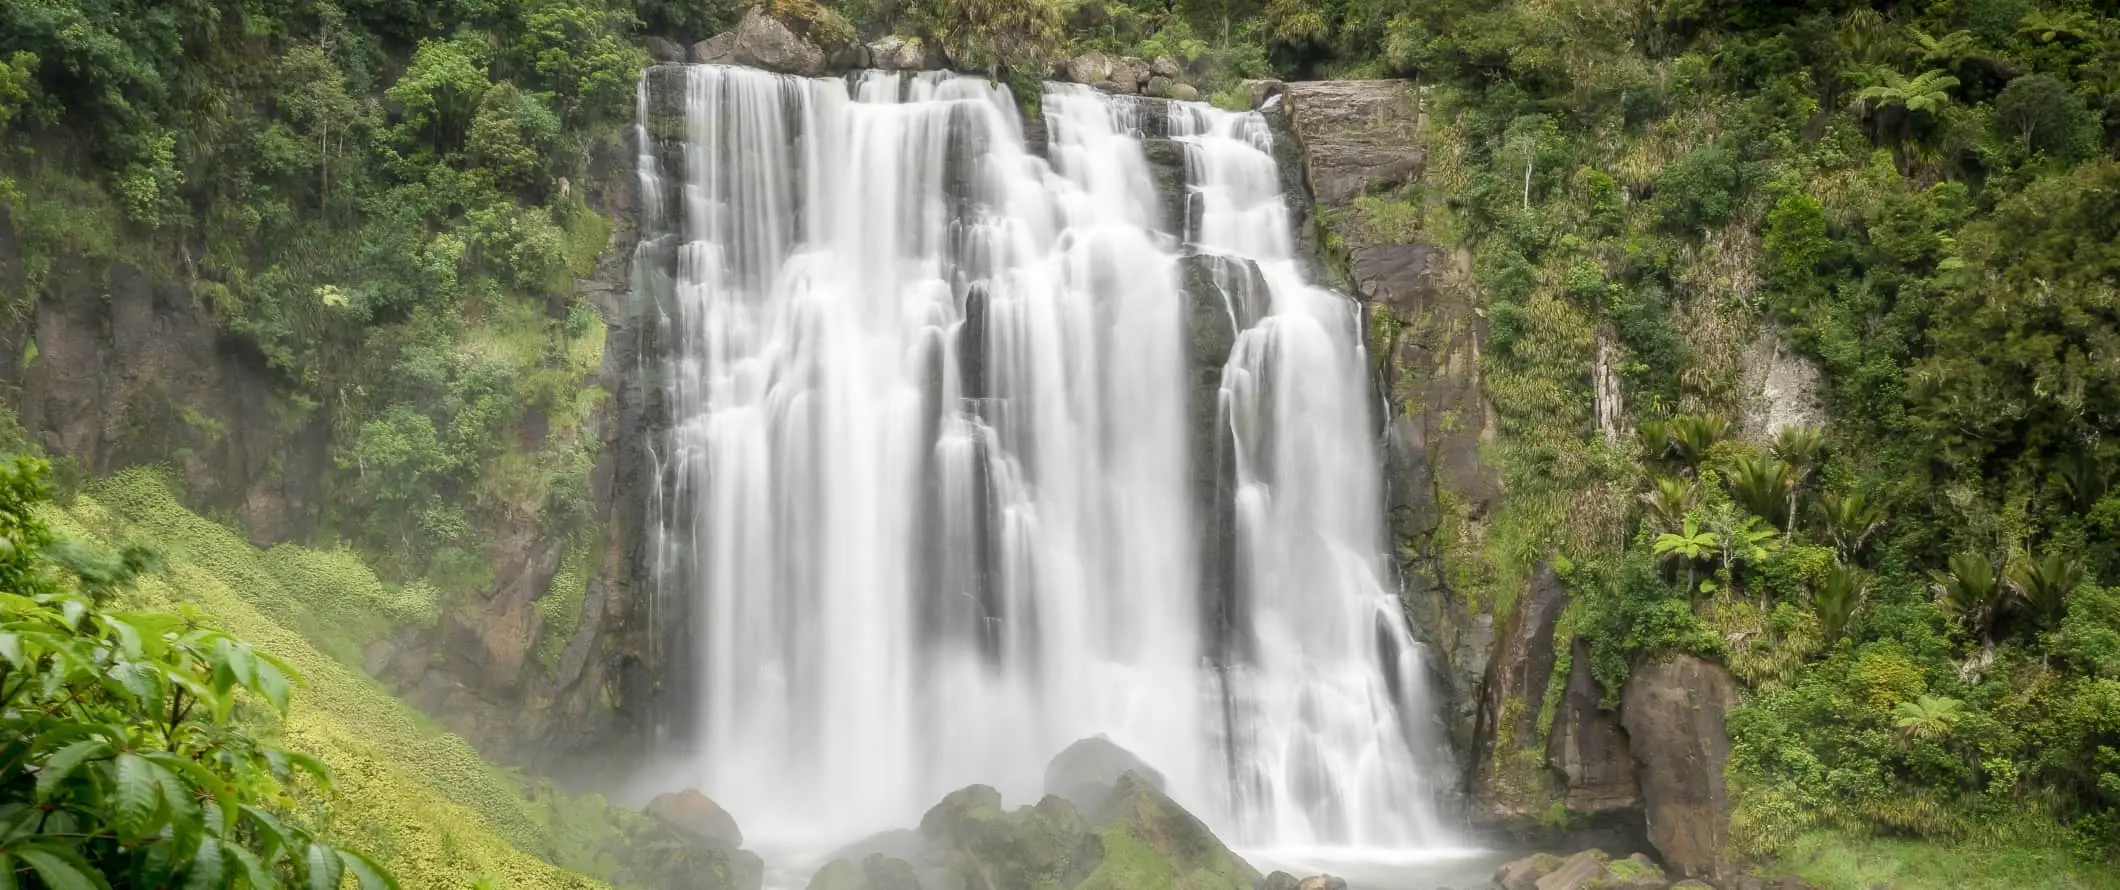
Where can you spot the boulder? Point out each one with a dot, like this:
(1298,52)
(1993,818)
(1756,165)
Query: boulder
(1185,92)
(1086,771)
(1130,70)
(697,816)
(1165,66)
(1635,872)
(1118,87)
(1581,871)
(1158,86)
(719,49)
(1674,712)
(970,837)
(946,820)
(838,874)
(898,54)
(747,870)
(1322,882)
(1150,841)
(880,872)
(762,41)
(663,49)
(903,843)
(1280,880)
(1258,91)
(1523,874)
(1089,68)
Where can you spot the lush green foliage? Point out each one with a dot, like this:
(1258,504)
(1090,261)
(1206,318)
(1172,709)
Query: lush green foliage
(126,758)
(1917,197)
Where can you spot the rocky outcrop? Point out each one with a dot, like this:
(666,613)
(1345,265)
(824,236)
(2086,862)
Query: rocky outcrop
(1674,712)
(663,50)
(1588,748)
(1509,779)
(899,54)
(1161,78)
(762,41)
(1360,137)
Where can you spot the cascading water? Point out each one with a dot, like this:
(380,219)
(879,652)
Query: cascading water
(928,492)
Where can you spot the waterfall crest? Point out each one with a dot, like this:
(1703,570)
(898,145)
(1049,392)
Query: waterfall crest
(928,497)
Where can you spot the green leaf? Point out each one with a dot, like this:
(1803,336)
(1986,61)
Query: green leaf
(208,867)
(367,872)
(8,882)
(314,767)
(233,665)
(63,764)
(324,868)
(11,649)
(272,683)
(254,871)
(138,797)
(59,870)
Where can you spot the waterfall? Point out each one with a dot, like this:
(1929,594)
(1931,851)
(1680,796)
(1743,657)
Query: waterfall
(928,500)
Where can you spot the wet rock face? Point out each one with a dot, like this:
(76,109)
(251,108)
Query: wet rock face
(1589,749)
(1675,714)
(1363,135)
(1511,696)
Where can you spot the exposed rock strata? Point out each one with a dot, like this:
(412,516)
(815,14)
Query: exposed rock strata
(1674,711)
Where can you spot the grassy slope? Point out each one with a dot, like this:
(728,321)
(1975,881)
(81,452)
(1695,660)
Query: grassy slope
(1842,862)
(420,800)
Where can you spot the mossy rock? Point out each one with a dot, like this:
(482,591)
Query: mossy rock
(1151,843)
(1043,847)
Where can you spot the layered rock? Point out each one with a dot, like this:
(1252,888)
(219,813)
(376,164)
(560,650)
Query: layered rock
(1675,711)
(1588,748)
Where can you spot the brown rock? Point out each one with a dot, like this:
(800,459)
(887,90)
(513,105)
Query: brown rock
(1279,880)
(1674,712)
(1185,92)
(762,41)
(1322,882)
(1578,872)
(1165,66)
(697,816)
(1635,872)
(898,54)
(1523,874)
(1363,136)
(1588,748)
(719,49)
(1158,86)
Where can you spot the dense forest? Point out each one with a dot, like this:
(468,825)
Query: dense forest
(1917,585)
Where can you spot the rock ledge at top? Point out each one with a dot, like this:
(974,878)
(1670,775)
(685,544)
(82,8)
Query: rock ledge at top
(762,41)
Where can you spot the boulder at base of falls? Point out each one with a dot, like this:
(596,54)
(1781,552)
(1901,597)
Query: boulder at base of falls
(1087,771)
(1139,839)
(1279,880)
(1674,712)
(1322,882)
(698,817)
(1523,874)
(762,41)
(1150,841)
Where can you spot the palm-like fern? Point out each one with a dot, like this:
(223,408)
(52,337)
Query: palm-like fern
(1763,485)
(2084,477)
(1836,596)
(1692,435)
(1971,592)
(1948,50)
(2041,585)
(2047,27)
(1850,520)
(1928,92)
(1927,717)
(1667,501)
